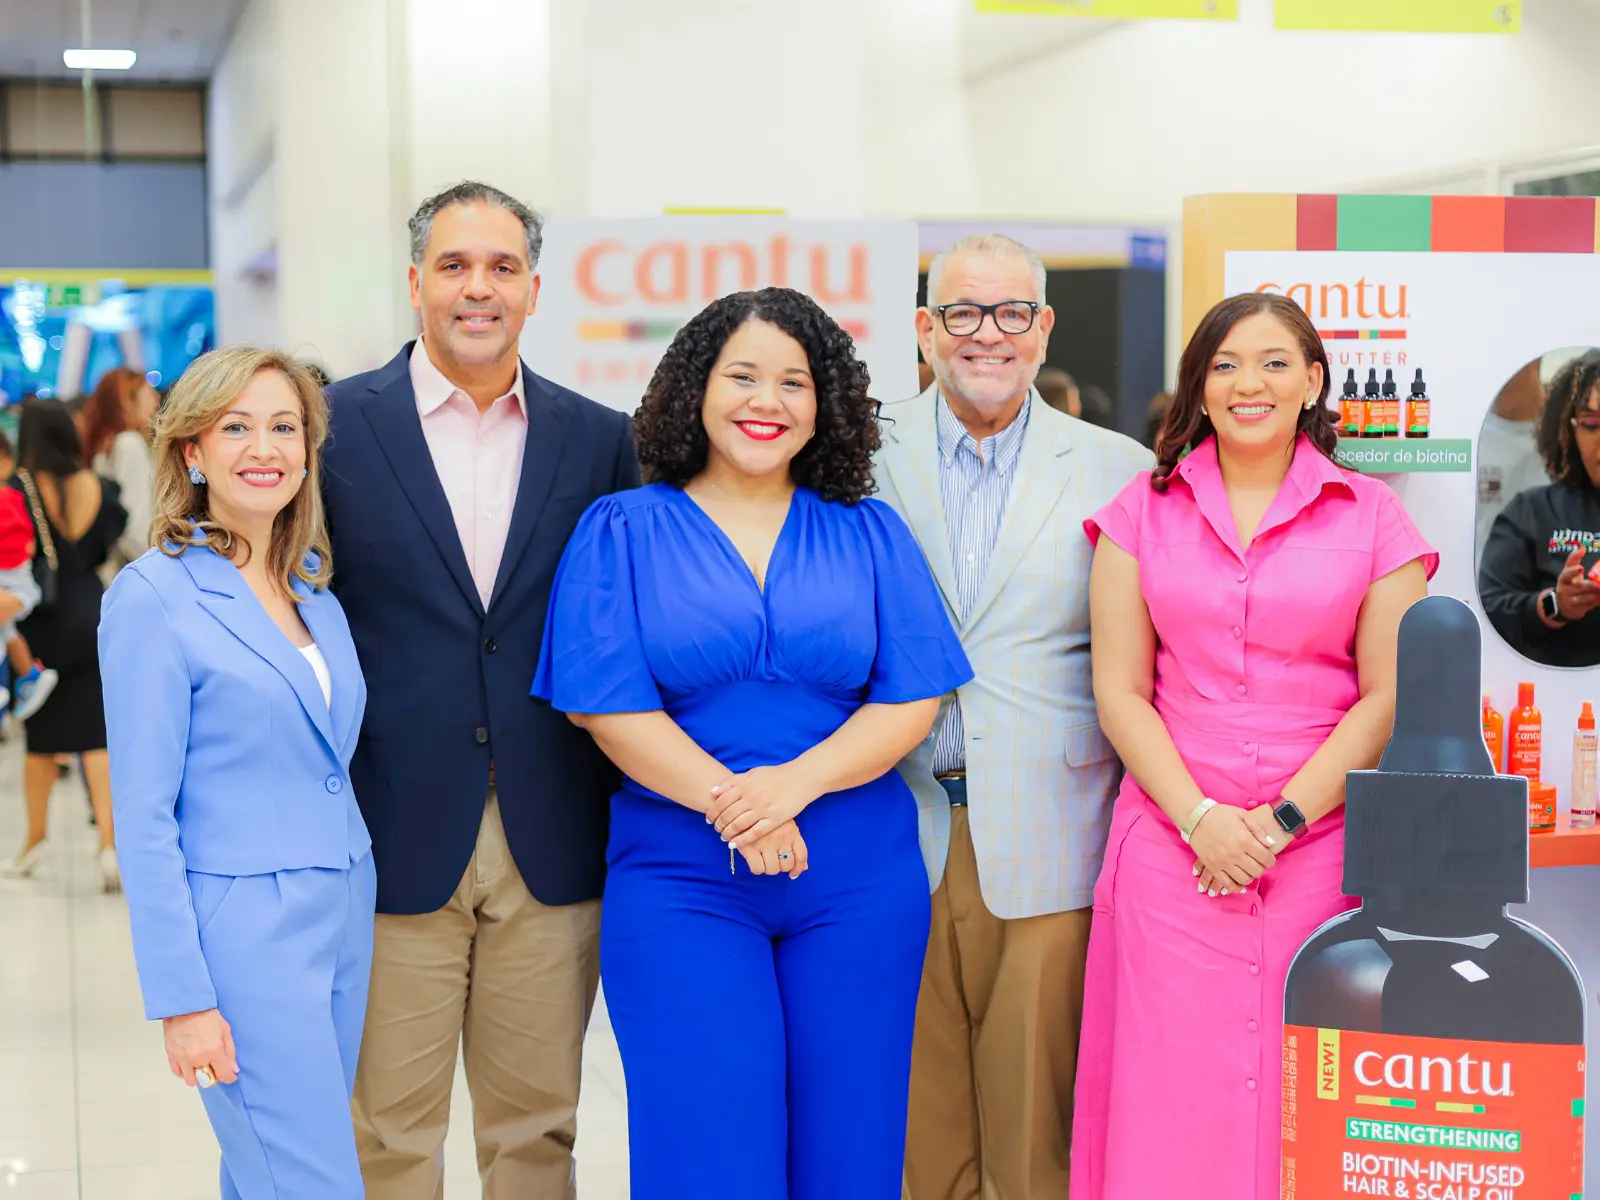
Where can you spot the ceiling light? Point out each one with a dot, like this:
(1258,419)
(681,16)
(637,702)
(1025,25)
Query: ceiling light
(99,60)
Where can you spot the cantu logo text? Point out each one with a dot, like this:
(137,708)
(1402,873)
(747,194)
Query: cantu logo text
(1344,301)
(1406,1072)
(613,273)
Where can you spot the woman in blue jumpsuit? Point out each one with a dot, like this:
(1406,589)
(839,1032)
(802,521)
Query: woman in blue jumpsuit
(756,644)
(233,701)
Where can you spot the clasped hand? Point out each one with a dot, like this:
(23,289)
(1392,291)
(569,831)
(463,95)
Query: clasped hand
(1576,594)
(201,1039)
(1234,848)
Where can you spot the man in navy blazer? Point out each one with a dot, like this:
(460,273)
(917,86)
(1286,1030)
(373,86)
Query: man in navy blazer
(454,477)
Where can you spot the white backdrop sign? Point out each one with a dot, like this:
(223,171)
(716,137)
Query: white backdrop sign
(615,291)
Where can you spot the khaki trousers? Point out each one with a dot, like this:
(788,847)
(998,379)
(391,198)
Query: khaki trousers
(996,1047)
(514,983)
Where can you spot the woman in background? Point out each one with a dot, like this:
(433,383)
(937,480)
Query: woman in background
(76,520)
(1246,602)
(756,645)
(234,697)
(116,425)
(1539,575)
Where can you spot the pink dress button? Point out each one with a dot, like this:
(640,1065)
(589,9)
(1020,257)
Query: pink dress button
(1240,689)
(1251,1026)
(1237,632)
(1243,577)
(1254,969)
(1250,1084)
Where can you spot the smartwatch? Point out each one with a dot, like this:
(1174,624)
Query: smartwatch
(1550,607)
(1289,817)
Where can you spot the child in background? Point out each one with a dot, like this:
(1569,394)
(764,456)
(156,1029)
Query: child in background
(34,682)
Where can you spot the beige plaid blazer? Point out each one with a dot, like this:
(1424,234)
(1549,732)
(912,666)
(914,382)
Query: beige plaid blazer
(1041,777)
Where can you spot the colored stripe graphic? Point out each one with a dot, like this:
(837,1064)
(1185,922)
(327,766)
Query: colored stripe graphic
(1362,335)
(1385,1102)
(1550,224)
(1450,1107)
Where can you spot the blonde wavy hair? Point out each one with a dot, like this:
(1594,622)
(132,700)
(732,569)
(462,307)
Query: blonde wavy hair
(299,548)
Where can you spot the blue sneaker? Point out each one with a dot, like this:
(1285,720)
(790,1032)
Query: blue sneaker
(32,690)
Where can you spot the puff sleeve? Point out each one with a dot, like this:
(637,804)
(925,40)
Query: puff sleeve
(919,654)
(593,657)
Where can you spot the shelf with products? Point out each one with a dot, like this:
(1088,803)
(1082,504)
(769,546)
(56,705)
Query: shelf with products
(1565,846)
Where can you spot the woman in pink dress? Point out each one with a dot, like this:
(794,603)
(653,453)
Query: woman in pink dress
(1245,602)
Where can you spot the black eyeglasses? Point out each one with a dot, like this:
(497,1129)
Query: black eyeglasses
(1010,316)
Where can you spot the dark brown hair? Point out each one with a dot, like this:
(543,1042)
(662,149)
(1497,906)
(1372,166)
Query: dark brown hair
(1187,425)
(1569,392)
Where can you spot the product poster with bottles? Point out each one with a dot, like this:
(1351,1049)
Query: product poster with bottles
(1408,1073)
(1433,1045)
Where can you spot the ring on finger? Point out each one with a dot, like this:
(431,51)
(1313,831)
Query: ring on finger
(204,1078)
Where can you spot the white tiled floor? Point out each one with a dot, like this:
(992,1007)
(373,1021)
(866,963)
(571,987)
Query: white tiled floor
(88,1110)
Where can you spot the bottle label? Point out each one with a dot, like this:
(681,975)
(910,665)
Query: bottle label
(1421,414)
(1527,751)
(1417,1118)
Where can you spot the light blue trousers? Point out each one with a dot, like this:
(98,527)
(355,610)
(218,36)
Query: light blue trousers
(290,956)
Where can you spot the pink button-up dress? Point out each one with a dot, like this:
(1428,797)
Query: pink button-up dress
(1179,1066)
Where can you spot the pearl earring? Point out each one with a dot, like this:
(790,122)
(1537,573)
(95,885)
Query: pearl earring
(304,471)
(195,477)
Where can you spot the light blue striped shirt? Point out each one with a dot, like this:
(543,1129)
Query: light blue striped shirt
(975,483)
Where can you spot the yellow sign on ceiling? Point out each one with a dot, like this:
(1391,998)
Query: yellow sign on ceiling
(1401,16)
(1192,10)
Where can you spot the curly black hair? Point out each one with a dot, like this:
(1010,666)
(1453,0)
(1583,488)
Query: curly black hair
(836,463)
(1569,391)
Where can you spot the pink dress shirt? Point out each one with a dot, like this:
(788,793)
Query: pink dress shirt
(1255,665)
(478,458)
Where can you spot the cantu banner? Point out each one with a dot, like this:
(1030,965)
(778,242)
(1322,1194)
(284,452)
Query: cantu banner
(616,291)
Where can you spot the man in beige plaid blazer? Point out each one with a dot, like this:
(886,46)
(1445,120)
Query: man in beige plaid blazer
(1015,785)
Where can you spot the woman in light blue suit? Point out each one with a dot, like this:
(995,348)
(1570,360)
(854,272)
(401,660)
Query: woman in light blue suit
(233,701)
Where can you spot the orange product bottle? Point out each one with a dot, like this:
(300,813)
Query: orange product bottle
(1494,734)
(1526,752)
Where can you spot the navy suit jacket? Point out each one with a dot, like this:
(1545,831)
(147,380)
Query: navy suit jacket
(448,680)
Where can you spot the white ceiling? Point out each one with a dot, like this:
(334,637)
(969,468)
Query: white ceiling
(176,40)
(181,40)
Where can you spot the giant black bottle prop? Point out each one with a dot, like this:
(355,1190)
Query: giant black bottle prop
(1433,1044)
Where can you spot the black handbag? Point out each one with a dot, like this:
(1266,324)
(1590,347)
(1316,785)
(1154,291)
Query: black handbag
(46,573)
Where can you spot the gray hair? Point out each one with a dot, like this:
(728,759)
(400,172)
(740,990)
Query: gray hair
(472,192)
(986,245)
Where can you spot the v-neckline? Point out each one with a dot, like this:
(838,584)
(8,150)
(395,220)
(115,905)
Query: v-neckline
(761,585)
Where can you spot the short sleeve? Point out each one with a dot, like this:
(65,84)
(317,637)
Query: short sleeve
(1122,519)
(919,654)
(1396,540)
(593,658)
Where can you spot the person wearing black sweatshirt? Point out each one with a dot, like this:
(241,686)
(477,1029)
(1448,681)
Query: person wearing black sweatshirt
(1537,579)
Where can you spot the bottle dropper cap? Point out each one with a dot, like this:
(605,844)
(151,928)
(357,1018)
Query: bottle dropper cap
(1350,384)
(1372,381)
(1388,383)
(1524,695)
(1586,717)
(1434,817)
(1418,388)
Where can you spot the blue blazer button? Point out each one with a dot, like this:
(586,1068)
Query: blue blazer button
(335,784)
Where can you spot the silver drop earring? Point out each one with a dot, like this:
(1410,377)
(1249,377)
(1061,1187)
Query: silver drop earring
(196,478)
(304,471)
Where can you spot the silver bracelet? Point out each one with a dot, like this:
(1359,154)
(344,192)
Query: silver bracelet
(1186,830)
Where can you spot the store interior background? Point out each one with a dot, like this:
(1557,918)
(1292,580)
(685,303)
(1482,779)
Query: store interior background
(280,145)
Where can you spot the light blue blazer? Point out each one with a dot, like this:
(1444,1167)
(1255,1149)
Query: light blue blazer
(225,759)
